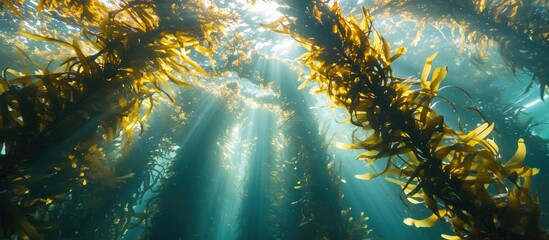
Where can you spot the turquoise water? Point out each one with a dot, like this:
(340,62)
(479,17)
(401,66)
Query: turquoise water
(244,154)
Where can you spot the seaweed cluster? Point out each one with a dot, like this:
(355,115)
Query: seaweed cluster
(517,28)
(72,165)
(458,176)
(54,122)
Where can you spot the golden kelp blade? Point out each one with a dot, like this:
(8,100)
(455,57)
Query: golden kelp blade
(450,237)
(13,8)
(516,161)
(427,70)
(95,96)
(368,176)
(451,169)
(43,38)
(427,222)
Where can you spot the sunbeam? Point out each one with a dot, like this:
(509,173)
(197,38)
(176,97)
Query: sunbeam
(274,119)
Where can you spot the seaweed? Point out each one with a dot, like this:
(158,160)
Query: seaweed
(55,121)
(458,176)
(315,189)
(517,28)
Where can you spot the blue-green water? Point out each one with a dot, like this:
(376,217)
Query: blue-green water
(244,154)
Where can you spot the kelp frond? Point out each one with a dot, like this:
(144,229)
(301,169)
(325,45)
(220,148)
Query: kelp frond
(53,122)
(517,28)
(458,176)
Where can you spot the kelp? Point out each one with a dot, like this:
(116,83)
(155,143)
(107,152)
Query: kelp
(53,121)
(459,176)
(89,12)
(316,191)
(517,28)
(12,5)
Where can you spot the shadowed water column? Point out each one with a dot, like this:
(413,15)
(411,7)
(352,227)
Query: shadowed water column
(315,190)
(189,196)
(256,220)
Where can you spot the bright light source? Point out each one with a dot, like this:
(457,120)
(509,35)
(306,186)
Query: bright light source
(268,10)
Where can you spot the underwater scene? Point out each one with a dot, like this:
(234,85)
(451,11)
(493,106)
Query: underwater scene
(274,119)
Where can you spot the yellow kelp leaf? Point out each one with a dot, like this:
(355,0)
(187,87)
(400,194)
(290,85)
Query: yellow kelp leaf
(427,222)
(437,79)
(528,177)
(492,146)
(516,160)
(43,38)
(379,44)
(26,71)
(481,4)
(12,8)
(368,154)
(409,186)
(450,237)
(149,110)
(412,159)
(479,133)
(368,176)
(4,85)
(303,85)
(398,53)
(365,23)
(195,65)
(127,176)
(277,26)
(81,58)
(177,81)
(413,200)
(427,69)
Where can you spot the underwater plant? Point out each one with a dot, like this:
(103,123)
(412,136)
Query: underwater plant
(54,121)
(517,28)
(458,176)
(319,185)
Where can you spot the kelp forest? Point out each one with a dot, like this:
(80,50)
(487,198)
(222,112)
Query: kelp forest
(274,119)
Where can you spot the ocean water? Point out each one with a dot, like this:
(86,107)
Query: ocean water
(152,123)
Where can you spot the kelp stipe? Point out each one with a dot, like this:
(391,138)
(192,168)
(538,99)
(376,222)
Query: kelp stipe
(318,188)
(57,120)
(458,176)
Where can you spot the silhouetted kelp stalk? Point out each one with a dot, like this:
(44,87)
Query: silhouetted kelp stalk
(458,176)
(319,193)
(518,28)
(12,5)
(54,121)
(189,203)
(185,194)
